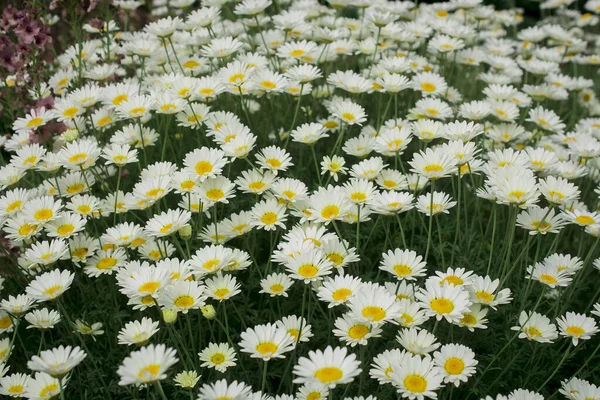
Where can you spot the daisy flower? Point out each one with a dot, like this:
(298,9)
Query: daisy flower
(576,326)
(353,331)
(146,365)
(447,301)
(57,362)
(276,284)
(403,264)
(219,356)
(457,362)
(330,368)
(49,285)
(417,378)
(42,319)
(417,341)
(138,332)
(536,327)
(266,342)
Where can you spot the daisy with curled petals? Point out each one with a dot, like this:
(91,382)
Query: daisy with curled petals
(205,162)
(18,305)
(42,319)
(266,341)
(49,285)
(146,365)
(223,390)
(331,367)
(447,301)
(524,394)
(218,356)
(12,202)
(57,362)
(353,331)
(276,284)
(167,222)
(403,264)
(373,304)
(312,391)
(221,47)
(536,327)
(417,378)
(138,332)
(457,363)
(576,326)
(303,73)
(417,341)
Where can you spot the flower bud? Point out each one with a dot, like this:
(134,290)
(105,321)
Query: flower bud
(185,232)
(208,311)
(169,316)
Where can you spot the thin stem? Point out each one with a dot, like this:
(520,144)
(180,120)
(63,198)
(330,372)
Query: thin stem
(430,228)
(160,391)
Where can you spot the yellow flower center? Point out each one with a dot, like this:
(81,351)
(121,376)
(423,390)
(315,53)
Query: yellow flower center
(484,296)
(374,313)
(149,373)
(185,301)
(266,348)
(341,294)
(308,270)
(203,167)
(428,87)
(43,215)
(329,374)
(221,293)
(575,330)
(35,122)
(65,229)
(585,220)
(454,366)
(51,291)
(402,270)
(149,287)
(330,212)
(441,305)
(358,331)
(269,218)
(218,358)
(415,383)
(215,194)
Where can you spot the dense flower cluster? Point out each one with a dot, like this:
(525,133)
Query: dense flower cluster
(289,200)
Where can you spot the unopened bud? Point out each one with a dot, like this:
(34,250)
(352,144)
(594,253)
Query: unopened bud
(208,311)
(185,232)
(169,316)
